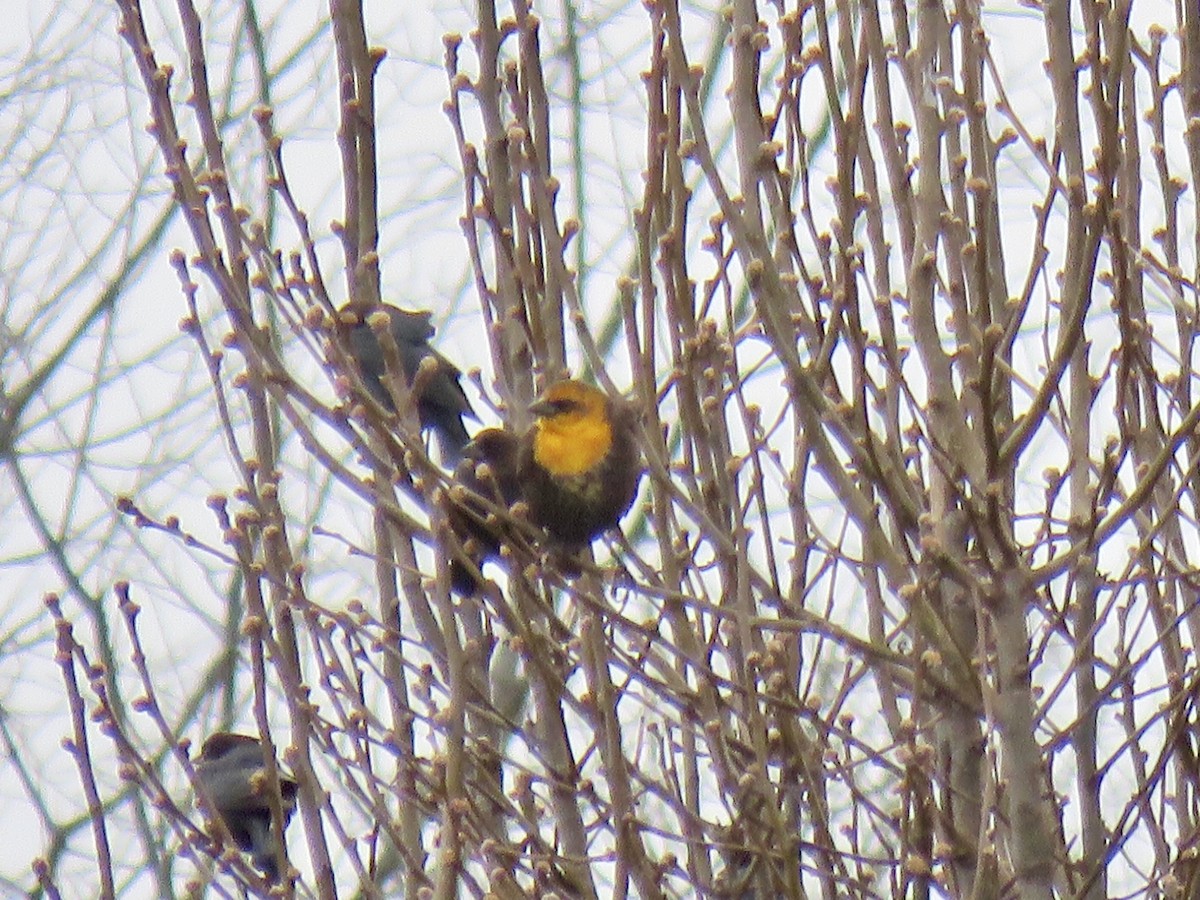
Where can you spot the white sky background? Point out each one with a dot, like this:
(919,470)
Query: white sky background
(76,156)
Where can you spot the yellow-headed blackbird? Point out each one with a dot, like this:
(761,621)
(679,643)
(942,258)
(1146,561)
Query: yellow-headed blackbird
(441,403)
(230,773)
(580,463)
(576,468)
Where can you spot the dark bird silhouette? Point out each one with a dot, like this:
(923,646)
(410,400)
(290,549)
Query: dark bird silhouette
(576,469)
(230,773)
(441,402)
(484,482)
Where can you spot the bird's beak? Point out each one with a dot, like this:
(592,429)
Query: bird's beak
(542,408)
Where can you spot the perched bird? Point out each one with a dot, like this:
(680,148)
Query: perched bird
(580,463)
(230,773)
(576,469)
(488,473)
(441,402)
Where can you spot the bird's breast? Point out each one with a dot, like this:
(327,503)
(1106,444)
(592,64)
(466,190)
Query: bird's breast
(573,449)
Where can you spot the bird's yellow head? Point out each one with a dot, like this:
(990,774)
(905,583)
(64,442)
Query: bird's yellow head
(571,430)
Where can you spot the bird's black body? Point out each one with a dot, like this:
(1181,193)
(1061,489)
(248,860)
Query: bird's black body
(474,523)
(441,402)
(229,772)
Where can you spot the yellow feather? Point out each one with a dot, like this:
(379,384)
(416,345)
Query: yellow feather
(573,442)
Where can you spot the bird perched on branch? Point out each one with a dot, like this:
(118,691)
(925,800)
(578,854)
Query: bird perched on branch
(440,400)
(576,468)
(485,485)
(580,462)
(229,772)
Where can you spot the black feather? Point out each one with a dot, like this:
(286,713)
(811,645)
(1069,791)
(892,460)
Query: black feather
(441,401)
